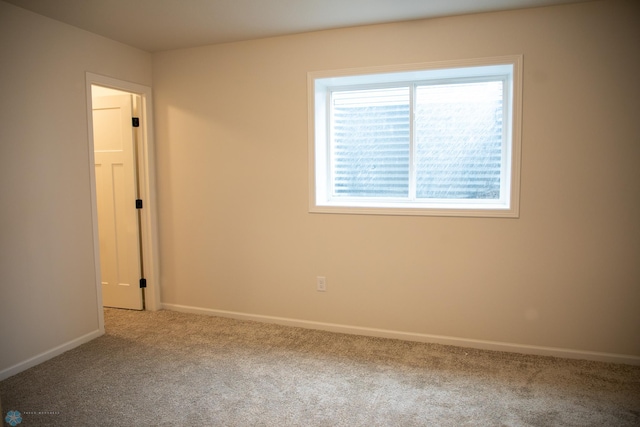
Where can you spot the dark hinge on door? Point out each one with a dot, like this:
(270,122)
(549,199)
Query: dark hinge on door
(143,283)
(138,203)
(135,121)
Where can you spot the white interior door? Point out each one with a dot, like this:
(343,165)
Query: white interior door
(116,190)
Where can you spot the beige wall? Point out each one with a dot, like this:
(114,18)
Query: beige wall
(47,271)
(235,234)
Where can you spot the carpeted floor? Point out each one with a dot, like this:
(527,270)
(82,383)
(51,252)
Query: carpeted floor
(173,369)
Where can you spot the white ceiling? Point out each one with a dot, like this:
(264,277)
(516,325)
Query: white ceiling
(156,25)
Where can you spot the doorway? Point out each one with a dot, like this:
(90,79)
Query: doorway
(131,253)
(115,148)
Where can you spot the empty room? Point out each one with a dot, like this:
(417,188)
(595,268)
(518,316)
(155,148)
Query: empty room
(340,213)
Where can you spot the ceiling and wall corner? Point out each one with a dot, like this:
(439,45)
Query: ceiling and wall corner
(157,25)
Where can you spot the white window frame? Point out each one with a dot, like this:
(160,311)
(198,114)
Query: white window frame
(321,83)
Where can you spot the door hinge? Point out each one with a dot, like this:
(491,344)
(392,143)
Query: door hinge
(143,283)
(135,121)
(138,203)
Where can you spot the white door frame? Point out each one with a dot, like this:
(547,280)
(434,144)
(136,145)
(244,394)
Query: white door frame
(146,168)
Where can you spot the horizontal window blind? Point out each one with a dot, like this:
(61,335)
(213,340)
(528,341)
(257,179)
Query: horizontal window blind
(371,143)
(458,131)
(458,142)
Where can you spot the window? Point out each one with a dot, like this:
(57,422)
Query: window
(420,139)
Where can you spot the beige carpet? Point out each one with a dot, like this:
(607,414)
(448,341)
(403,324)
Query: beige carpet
(174,369)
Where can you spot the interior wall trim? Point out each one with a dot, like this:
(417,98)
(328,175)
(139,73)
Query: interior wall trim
(411,336)
(49,354)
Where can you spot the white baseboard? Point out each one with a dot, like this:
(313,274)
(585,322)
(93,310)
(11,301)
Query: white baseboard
(49,354)
(409,336)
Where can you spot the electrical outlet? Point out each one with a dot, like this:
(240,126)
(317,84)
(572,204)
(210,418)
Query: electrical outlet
(321,284)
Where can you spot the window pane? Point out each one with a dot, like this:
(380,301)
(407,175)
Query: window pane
(459,140)
(370,149)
